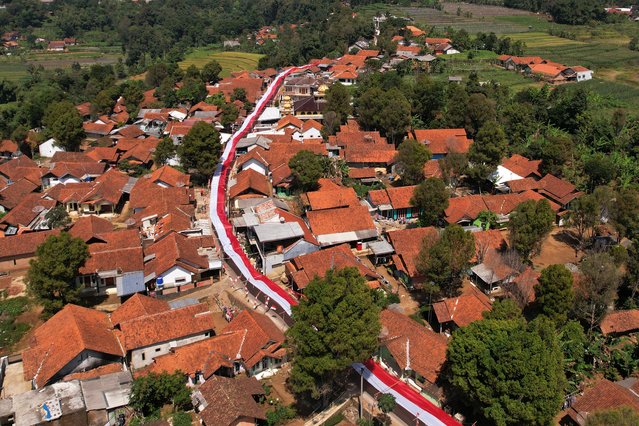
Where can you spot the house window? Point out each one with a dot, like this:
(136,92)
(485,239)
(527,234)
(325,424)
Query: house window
(158,349)
(143,356)
(180,280)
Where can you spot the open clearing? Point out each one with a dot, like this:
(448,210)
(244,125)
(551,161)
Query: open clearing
(230,61)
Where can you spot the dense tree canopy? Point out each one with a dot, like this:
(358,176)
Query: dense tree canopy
(529,224)
(410,160)
(152,391)
(51,275)
(200,149)
(554,293)
(336,324)
(431,198)
(307,168)
(508,372)
(63,122)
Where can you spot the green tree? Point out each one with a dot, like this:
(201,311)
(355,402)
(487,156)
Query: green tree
(211,72)
(387,111)
(164,151)
(508,372)
(152,391)
(239,94)
(479,111)
(307,168)
(574,346)
(503,309)
(444,262)
(410,159)
(488,149)
(431,199)
(554,293)
(529,224)
(584,216)
(386,403)
(336,324)
(192,73)
(600,170)
(624,213)
(51,275)
(621,416)
(597,288)
(57,217)
(63,122)
(192,91)
(200,149)
(230,113)
(429,98)
(280,415)
(338,100)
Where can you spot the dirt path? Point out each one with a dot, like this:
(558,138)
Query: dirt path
(556,249)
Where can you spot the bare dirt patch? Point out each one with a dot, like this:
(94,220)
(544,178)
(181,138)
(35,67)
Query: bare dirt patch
(557,248)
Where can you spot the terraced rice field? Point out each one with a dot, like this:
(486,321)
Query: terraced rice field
(230,61)
(14,68)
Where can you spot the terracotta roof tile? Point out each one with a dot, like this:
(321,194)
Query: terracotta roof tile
(138,306)
(362,173)
(444,141)
(174,249)
(408,243)
(522,166)
(464,309)
(108,154)
(333,221)
(206,356)
(23,245)
(115,367)
(231,400)
(604,395)
(7,145)
(250,181)
(63,337)
(11,195)
(333,198)
(117,250)
(88,227)
(170,177)
(27,210)
(427,349)
(306,267)
(165,326)
(620,322)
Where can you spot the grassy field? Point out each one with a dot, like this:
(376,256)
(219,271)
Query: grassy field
(15,67)
(473,18)
(230,61)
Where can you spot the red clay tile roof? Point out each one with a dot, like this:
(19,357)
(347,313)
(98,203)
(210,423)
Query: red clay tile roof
(12,194)
(31,206)
(546,69)
(206,355)
(368,53)
(116,250)
(334,221)
(521,185)
(170,176)
(489,239)
(604,395)
(77,170)
(174,249)
(427,349)
(444,141)
(70,192)
(290,120)
(620,322)
(333,198)
(109,187)
(400,196)
(559,190)
(525,283)
(432,169)
(88,227)
(63,337)
(138,306)
(250,181)
(142,152)
(261,337)
(130,132)
(464,309)
(7,145)
(84,109)
(522,166)
(22,167)
(304,268)
(409,49)
(165,326)
(98,128)
(115,367)
(363,173)
(434,40)
(469,207)
(71,157)
(408,243)
(378,197)
(103,153)
(23,245)
(231,400)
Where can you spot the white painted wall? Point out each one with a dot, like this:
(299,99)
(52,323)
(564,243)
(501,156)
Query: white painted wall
(253,164)
(174,275)
(162,348)
(47,148)
(503,175)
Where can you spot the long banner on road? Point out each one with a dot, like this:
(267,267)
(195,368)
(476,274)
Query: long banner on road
(277,298)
